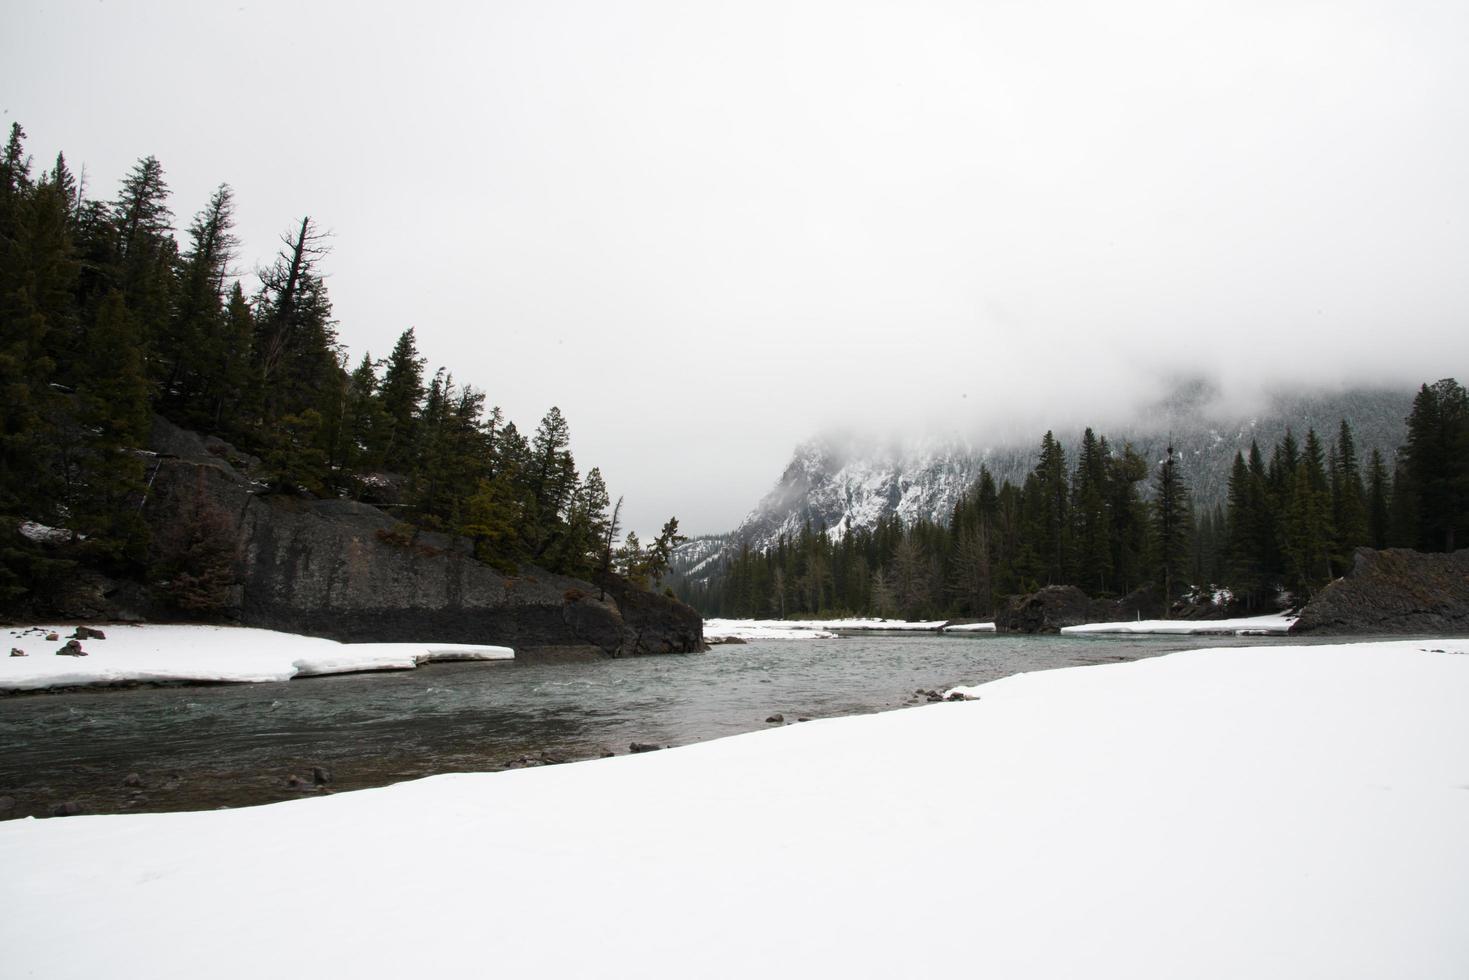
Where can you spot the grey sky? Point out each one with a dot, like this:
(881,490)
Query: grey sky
(707,231)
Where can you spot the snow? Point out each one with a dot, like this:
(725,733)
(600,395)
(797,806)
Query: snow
(806,629)
(716,630)
(1276,812)
(42,534)
(970,628)
(1276,624)
(209,654)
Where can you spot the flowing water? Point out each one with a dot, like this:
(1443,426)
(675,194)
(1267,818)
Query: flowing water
(233,745)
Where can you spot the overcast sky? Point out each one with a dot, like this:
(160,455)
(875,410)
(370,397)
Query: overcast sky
(709,231)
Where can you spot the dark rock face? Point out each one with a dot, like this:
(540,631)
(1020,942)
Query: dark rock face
(348,571)
(1051,608)
(1393,591)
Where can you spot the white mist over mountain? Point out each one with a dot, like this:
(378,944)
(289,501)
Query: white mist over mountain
(707,232)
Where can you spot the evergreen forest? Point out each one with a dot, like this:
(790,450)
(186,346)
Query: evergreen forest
(1114,524)
(109,320)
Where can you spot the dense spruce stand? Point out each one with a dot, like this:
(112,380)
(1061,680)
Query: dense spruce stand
(1117,525)
(107,320)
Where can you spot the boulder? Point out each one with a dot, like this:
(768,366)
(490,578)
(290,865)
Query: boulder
(776,720)
(87,633)
(1393,591)
(17,652)
(643,747)
(1051,608)
(71,648)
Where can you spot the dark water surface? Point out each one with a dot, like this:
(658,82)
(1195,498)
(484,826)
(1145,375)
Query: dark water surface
(232,745)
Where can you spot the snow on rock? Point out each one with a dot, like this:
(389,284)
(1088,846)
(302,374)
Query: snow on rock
(1277,624)
(42,534)
(970,628)
(228,654)
(1276,812)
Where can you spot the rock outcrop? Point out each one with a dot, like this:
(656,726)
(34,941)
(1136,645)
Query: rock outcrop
(1393,591)
(348,571)
(1050,608)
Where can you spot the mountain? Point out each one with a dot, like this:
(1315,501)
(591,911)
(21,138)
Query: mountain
(841,482)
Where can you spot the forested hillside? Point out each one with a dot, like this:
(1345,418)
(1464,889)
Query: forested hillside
(108,318)
(1109,521)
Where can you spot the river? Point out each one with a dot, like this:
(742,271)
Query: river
(202,747)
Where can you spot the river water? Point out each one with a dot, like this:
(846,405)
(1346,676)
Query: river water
(234,745)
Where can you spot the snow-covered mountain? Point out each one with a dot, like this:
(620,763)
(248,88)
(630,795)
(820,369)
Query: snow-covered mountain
(841,483)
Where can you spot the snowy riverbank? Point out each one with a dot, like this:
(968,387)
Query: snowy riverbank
(205,654)
(717,630)
(1265,812)
(1277,624)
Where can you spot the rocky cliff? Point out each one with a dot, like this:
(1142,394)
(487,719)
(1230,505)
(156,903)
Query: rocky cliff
(1393,591)
(349,571)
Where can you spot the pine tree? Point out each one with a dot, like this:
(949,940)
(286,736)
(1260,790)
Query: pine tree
(114,423)
(1437,456)
(1129,517)
(1053,511)
(38,274)
(400,397)
(194,342)
(1307,528)
(1245,520)
(1172,523)
(1089,509)
(1348,499)
(145,254)
(296,343)
(1377,502)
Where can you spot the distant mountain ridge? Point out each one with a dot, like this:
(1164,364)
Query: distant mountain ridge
(840,484)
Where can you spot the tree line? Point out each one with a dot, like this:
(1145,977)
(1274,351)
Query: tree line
(1112,523)
(108,318)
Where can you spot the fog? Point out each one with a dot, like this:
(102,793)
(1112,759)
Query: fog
(710,231)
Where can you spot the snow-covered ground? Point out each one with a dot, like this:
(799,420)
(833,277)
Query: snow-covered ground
(1277,624)
(807,629)
(970,628)
(207,653)
(1279,812)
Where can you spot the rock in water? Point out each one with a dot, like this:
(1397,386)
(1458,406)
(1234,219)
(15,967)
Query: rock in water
(643,747)
(1051,608)
(775,720)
